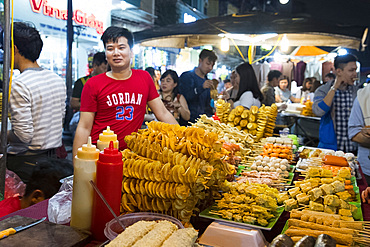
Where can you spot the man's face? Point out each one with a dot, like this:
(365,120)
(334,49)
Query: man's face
(118,54)
(275,82)
(348,73)
(205,65)
(102,68)
(228,85)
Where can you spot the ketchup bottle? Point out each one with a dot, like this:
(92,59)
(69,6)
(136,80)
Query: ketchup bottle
(109,182)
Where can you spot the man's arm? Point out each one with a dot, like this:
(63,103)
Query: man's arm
(21,116)
(356,122)
(75,103)
(160,111)
(83,130)
(188,89)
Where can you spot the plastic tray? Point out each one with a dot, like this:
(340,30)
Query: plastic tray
(206,214)
(112,228)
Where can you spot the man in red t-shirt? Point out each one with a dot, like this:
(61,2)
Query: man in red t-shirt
(119,97)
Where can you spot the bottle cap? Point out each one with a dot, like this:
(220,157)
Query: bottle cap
(88,151)
(110,155)
(107,135)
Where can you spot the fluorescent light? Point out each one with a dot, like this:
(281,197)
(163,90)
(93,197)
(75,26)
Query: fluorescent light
(253,38)
(225,44)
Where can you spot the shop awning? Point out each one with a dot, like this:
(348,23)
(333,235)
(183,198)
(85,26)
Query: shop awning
(300,31)
(308,51)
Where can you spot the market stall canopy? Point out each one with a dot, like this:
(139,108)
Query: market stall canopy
(254,28)
(308,51)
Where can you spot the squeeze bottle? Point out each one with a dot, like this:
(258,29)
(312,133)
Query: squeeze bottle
(109,181)
(83,192)
(105,138)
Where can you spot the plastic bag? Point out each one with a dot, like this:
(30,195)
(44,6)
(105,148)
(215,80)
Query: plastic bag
(13,185)
(59,209)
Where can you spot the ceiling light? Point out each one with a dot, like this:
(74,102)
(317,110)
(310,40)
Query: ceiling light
(284,1)
(342,52)
(225,44)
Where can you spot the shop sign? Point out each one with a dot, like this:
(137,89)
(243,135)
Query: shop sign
(79,16)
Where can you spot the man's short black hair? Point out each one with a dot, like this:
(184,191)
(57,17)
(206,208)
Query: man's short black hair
(112,34)
(208,53)
(46,176)
(99,58)
(28,40)
(341,61)
(273,74)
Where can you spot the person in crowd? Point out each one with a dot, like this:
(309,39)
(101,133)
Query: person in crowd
(268,90)
(333,102)
(43,184)
(315,86)
(230,93)
(359,129)
(172,100)
(118,98)
(329,77)
(304,91)
(282,92)
(37,106)
(227,84)
(195,86)
(246,83)
(153,74)
(100,65)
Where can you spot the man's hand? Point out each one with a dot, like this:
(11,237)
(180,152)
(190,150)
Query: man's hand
(365,195)
(339,84)
(208,84)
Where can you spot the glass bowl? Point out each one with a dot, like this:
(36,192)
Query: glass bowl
(112,228)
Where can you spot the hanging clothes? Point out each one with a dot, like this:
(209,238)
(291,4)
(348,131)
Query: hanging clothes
(299,72)
(276,66)
(288,70)
(313,69)
(257,70)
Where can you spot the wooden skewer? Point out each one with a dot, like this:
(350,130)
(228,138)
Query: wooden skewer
(213,212)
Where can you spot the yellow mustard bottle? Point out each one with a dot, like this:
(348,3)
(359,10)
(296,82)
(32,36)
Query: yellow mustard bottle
(105,138)
(83,193)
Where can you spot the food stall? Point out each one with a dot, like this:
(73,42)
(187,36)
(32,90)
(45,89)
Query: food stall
(230,179)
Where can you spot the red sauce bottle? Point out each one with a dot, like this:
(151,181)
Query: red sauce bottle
(109,182)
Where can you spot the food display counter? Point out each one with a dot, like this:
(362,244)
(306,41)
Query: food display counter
(215,177)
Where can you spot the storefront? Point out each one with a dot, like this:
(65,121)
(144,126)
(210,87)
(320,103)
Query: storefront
(90,19)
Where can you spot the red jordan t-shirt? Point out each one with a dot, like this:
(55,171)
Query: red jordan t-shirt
(120,104)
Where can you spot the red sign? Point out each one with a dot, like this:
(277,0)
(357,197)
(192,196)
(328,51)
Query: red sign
(79,17)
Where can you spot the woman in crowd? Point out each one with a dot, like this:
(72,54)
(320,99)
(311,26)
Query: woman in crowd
(173,101)
(304,90)
(246,83)
(282,92)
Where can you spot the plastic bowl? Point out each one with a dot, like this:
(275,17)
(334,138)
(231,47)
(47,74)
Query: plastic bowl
(112,228)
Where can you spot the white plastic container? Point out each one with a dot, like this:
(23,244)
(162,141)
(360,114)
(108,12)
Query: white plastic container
(83,193)
(221,234)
